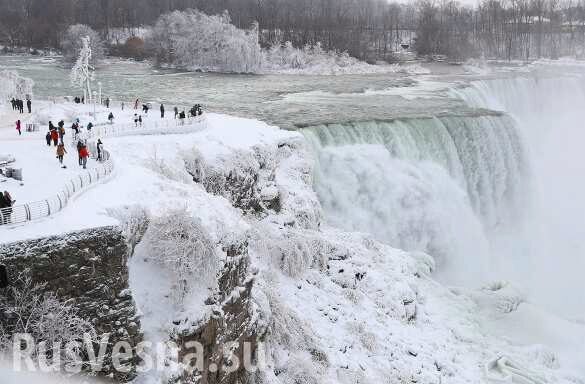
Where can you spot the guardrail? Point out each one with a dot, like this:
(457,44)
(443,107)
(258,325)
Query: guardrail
(43,208)
(150,127)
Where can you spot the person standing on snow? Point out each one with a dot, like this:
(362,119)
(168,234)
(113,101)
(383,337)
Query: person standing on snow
(6,204)
(55,137)
(29,105)
(176,112)
(84,154)
(79,146)
(18,127)
(61,151)
(100,149)
(162,111)
(111,118)
(48,138)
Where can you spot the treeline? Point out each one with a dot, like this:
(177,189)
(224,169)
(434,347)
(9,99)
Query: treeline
(367,29)
(513,29)
(364,28)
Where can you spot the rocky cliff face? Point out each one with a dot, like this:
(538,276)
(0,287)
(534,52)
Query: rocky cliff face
(87,269)
(230,327)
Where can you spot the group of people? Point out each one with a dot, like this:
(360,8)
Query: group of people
(18,105)
(56,134)
(79,100)
(6,204)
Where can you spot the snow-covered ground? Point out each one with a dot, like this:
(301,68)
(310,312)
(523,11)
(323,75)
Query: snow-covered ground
(340,307)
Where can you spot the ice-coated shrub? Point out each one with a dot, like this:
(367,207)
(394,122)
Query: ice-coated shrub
(234,176)
(134,220)
(180,243)
(26,308)
(292,251)
(14,85)
(193,40)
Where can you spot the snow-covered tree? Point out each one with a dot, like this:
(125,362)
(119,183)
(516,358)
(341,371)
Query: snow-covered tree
(26,308)
(82,72)
(14,85)
(194,40)
(310,58)
(179,242)
(71,44)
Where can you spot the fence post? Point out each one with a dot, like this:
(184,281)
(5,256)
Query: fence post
(48,208)
(27,211)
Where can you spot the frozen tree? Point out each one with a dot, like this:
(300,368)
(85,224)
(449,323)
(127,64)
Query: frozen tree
(72,45)
(82,72)
(194,40)
(179,242)
(27,308)
(14,85)
(310,58)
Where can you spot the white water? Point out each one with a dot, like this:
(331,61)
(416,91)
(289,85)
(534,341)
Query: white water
(440,185)
(490,197)
(549,257)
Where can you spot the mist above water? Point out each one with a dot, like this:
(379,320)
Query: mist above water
(490,197)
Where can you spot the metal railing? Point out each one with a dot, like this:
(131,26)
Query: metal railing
(150,127)
(43,208)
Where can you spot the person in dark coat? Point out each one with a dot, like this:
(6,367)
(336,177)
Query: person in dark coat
(29,105)
(51,126)
(18,127)
(162,111)
(100,149)
(6,205)
(176,112)
(111,118)
(48,138)
(79,146)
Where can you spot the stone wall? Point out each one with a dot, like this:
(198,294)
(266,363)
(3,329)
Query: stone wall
(88,269)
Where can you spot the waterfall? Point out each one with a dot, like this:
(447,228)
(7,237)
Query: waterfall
(549,111)
(440,185)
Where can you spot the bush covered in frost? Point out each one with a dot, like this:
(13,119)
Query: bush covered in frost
(14,85)
(26,308)
(179,242)
(193,40)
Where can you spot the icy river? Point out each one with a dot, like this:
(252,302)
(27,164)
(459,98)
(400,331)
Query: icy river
(482,171)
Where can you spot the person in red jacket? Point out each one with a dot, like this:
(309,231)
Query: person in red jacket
(18,127)
(55,136)
(83,154)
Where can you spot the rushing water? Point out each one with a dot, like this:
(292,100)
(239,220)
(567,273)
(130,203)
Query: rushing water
(285,100)
(485,175)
